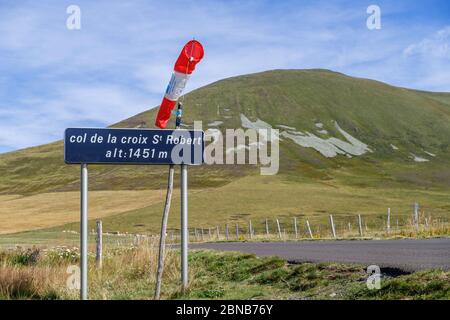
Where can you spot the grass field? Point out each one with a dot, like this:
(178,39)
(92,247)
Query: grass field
(238,202)
(129,273)
(22,213)
(271,197)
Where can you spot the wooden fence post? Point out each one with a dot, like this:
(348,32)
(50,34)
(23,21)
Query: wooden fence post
(360,225)
(416,215)
(267,228)
(388,222)
(226,231)
(295,228)
(279,229)
(218,232)
(209,233)
(237,231)
(250,231)
(309,229)
(333,228)
(99,245)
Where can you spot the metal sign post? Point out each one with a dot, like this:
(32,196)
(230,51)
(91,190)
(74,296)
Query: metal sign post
(84,232)
(184,228)
(85,146)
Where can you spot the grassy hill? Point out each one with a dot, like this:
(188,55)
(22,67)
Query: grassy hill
(407,132)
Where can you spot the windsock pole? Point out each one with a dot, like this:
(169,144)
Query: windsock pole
(191,54)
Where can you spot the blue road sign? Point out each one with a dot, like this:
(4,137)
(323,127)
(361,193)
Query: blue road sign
(133,146)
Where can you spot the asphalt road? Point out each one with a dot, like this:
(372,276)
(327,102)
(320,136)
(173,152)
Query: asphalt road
(406,255)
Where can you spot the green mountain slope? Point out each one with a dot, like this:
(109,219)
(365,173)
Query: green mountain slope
(443,97)
(375,113)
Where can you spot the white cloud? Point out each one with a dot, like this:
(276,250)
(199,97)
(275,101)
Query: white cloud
(37,119)
(437,46)
(429,59)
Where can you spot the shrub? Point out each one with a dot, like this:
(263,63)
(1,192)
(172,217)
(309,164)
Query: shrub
(21,257)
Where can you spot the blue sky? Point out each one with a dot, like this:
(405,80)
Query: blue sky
(119,62)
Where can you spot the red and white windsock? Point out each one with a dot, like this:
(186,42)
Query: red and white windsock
(191,54)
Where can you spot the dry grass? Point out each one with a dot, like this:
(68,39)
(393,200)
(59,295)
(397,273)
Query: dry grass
(18,213)
(127,272)
(133,271)
(30,282)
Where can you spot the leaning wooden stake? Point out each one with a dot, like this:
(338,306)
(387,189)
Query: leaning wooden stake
(309,229)
(267,227)
(279,229)
(99,245)
(360,225)
(333,227)
(162,237)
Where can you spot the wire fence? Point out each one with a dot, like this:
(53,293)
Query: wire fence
(419,224)
(295,228)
